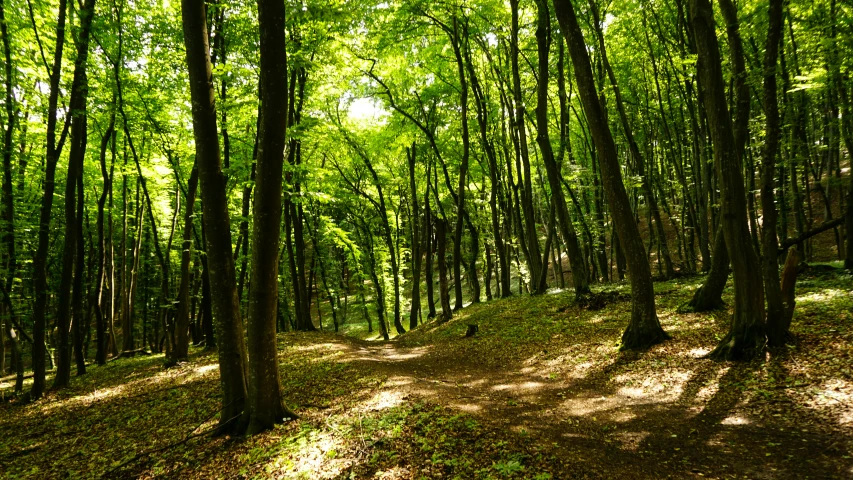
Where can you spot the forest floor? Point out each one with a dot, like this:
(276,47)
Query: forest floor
(540,392)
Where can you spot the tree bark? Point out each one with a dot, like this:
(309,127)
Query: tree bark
(78,309)
(77,107)
(266,407)
(441,252)
(229,327)
(567,229)
(496,193)
(182,318)
(8,204)
(40,258)
(415,220)
(746,336)
(644,329)
(777,325)
(528,224)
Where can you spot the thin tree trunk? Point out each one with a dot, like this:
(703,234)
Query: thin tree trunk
(101,256)
(441,252)
(777,325)
(8,203)
(40,258)
(415,220)
(77,307)
(528,228)
(182,319)
(567,229)
(428,246)
(77,106)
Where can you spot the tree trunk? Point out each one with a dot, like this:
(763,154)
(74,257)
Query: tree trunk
(644,329)
(266,407)
(777,330)
(8,204)
(101,322)
(710,295)
(847,133)
(528,227)
(567,229)
(182,319)
(77,106)
(415,220)
(428,247)
(229,328)
(40,258)
(463,168)
(496,193)
(441,252)
(746,336)
(78,310)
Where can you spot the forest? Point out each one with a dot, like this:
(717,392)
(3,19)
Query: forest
(536,239)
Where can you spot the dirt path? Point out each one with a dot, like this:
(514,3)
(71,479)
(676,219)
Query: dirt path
(593,430)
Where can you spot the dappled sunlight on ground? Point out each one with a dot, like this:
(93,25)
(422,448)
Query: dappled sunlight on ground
(735,420)
(541,388)
(824,295)
(665,385)
(383,400)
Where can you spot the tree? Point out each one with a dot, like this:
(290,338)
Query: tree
(266,407)
(217,224)
(777,318)
(40,260)
(567,229)
(644,329)
(746,336)
(79,96)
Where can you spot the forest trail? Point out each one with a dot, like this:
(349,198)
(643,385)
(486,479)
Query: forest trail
(595,430)
(539,392)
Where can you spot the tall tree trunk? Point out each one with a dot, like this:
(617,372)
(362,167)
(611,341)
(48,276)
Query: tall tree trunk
(528,227)
(441,252)
(746,336)
(77,307)
(847,132)
(266,407)
(182,319)
(777,328)
(496,193)
(428,247)
(415,220)
(567,229)
(101,332)
(206,310)
(40,258)
(8,205)
(229,325)
(639,159)
(77,106)
(456,40)
(644,329)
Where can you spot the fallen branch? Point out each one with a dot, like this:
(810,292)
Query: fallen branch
(131,353)
(811,233)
